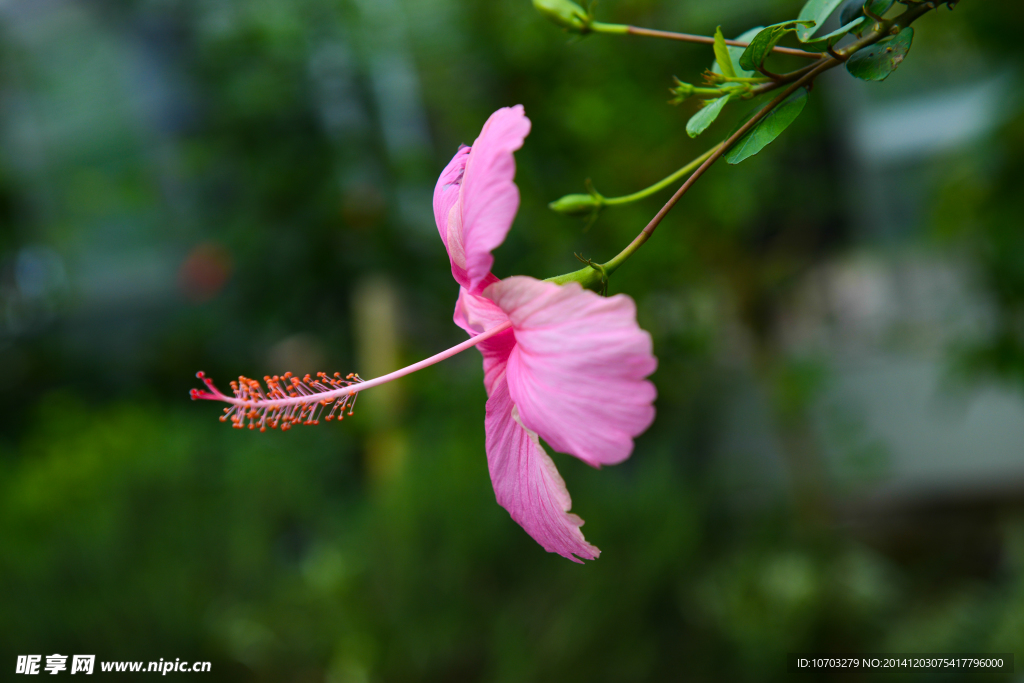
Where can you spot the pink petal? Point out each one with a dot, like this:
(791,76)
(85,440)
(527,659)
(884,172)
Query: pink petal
(448,213)
(527,484)
(475,314)
(577,370)
(489,198)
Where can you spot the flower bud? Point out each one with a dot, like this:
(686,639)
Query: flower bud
(565,13)
(681,91)
(576,204)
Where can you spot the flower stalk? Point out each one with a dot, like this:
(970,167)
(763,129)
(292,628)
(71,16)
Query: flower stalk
(595,276)
(584,204)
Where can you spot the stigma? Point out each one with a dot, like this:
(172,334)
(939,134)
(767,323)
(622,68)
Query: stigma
(286,401)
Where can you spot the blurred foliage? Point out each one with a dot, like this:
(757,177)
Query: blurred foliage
(202,185)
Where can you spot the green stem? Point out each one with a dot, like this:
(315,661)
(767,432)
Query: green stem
(661,184)
(716,153)
(591,277)
(690,38)
(614,29)
(710,92)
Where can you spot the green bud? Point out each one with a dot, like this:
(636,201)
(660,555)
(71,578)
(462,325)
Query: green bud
(682,92)
(576,204)
(565,13)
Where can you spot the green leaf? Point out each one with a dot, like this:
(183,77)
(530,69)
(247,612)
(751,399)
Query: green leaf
(699,122)
(768,128)
(722,57)
(824,42)
(876,62)
(735,52)
(817,11)
(855,8)
(850,10)
(879,7)
(765,40)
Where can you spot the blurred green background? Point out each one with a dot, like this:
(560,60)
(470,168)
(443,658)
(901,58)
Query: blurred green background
(245,187)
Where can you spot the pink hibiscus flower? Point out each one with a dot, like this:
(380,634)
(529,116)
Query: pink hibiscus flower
(560,363)
(571,369)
